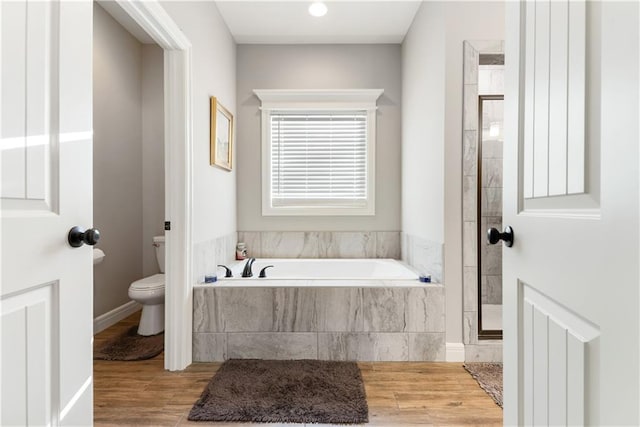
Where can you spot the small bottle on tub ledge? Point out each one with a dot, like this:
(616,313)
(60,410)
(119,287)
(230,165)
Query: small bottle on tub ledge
(425,278)
(241,251)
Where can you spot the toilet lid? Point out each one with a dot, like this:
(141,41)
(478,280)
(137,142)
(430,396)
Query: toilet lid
(148,283)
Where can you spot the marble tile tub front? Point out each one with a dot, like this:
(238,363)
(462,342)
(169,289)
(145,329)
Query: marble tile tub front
(346,323)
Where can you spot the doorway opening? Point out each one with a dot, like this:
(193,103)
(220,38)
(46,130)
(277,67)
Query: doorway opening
(489,193)
(128,173)
(482,198)
(151,20)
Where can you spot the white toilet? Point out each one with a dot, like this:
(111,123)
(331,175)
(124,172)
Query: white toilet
(150,293)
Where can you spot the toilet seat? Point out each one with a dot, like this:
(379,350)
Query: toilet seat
(150,283)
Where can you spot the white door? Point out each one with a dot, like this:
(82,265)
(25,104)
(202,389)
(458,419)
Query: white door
(571,279)
(46,189)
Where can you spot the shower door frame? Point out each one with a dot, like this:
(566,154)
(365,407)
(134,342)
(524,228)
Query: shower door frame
(483,334)
(476,348)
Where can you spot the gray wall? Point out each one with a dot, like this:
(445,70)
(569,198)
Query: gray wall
(432,133)
(423,98)
(117,158)
(213,61)
(152,153)
(121,114)
(319,67)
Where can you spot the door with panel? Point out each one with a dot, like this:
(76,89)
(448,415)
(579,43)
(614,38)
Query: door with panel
(571,277)
(46,166)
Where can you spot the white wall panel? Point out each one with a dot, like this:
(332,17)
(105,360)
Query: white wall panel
(541,101)
(28,323)
(529,99)
(38,94)
(575,381)
(558,69)
(527,348)
(540,368)
(557,374)
(29,99)
(14,368)
(555,350)
(576,97)
(13,71)
(554,109)
(38,363)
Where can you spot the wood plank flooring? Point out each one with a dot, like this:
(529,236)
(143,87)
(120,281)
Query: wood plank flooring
(398,393)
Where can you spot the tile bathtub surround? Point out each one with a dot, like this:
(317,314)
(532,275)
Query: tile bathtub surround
(207,255)
(363,346)
(292,345)
(321,244)
(488,351)
(423,255)
(365,324)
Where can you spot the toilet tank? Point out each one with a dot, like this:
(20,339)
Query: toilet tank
(158,242)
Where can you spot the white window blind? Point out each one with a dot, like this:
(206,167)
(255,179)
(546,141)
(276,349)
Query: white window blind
(319,159)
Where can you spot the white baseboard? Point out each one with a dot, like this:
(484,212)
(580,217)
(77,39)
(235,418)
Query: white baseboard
(112,317)
(454,352)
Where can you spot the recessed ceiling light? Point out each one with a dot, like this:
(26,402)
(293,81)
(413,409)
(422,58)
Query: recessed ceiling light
(318,9)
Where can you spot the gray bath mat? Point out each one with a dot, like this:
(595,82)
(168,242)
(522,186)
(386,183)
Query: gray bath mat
(284,391)
(131,346)
(489,377)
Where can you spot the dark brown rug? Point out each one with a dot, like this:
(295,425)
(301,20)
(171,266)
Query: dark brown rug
(284,391)
(489,377)
(130,346)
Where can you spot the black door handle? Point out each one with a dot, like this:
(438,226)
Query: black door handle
(78,237)
(494,236)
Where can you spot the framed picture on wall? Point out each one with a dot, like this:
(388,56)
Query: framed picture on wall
(221,135)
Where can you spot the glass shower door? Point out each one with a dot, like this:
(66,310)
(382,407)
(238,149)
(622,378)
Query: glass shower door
(490,144)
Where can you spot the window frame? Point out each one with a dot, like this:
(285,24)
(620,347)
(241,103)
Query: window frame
(318,101)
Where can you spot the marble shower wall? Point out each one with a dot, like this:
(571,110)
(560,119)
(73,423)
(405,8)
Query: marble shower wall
(364,324)
(321,244)
(423,255)
(475,350)
(207,255)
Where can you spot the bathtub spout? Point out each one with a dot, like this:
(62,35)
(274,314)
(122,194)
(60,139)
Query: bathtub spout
(247,268)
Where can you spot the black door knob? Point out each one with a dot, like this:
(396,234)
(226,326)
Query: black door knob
(78,236)
(494,236)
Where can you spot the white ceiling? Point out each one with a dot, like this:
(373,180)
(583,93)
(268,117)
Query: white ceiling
(347,21)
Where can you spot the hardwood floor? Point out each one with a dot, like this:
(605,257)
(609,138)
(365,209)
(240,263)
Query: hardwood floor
(398,393)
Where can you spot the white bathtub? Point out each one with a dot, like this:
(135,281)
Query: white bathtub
(327,309)
(323,272)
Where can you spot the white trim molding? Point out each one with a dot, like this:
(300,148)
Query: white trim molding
(112,317)
(454,352)
(282,98)
(156,22)
(153,19)
(178,203)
